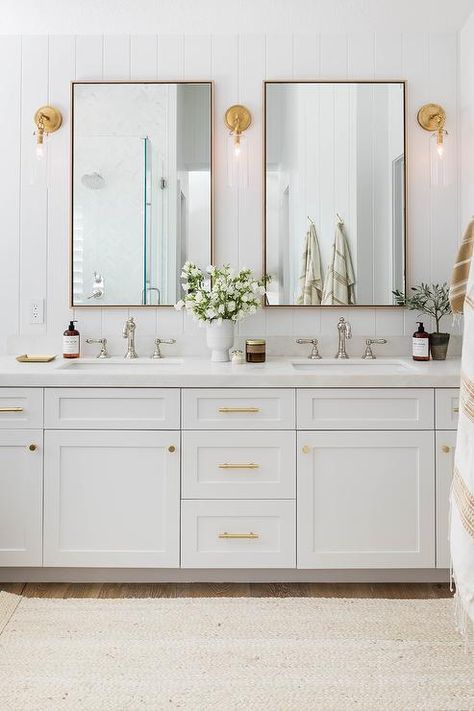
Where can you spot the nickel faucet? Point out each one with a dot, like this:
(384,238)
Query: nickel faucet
(368,353)
(314,355)
(129,332)
(344,331)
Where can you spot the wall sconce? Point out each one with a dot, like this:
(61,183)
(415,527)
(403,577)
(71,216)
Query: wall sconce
(237,119)
(432,117)
(47,120)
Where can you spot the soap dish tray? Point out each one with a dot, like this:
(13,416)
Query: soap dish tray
(29,358)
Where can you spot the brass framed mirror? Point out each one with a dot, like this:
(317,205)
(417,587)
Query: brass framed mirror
(142,179)
(334,192)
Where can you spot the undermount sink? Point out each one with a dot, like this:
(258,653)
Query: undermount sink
(354,365)
(143,364)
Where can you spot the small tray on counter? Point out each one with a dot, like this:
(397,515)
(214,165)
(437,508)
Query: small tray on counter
(31,358)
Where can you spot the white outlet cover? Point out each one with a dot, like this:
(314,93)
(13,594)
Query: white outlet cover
(36,311)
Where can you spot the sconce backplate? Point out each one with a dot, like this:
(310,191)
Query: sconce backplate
(238,115)
(52,118)
(431,117)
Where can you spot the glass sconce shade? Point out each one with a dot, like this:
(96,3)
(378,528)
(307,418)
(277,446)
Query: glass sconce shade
(237,160)
(440,159)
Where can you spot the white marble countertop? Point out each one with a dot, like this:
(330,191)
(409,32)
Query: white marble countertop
(200,372)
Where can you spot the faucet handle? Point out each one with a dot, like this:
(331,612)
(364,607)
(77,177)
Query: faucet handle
(103,346)
(314,355)
(368,353)
(158,342)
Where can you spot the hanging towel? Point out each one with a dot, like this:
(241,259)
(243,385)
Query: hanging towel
(340,279)
(460,275)
(311,280)
(462,490)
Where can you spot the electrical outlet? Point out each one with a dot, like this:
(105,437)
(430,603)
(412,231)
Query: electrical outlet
(37,311)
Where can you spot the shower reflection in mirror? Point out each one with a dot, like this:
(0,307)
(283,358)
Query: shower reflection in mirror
(141,189)
(334,192)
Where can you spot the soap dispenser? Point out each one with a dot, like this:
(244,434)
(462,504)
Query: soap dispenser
(421,343)
(71,341)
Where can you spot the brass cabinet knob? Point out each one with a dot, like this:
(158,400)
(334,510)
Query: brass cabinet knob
(171,448)
(33,447)
(445,448)
(306,449)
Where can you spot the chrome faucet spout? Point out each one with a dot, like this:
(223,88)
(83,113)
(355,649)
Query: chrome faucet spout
(129,332)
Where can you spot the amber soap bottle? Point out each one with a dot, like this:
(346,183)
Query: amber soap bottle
(421,343)
(71,342)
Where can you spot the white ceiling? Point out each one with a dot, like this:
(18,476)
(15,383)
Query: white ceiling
(233,16)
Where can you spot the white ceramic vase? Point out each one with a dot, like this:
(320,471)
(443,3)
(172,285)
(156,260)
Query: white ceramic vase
(220,339)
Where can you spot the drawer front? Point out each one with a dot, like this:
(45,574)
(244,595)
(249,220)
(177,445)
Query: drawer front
(238,534)
(365,409)
(239,465)
(238,408)
(447,409)
(112,408)
(21,408)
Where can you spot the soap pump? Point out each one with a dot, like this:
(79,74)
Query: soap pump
(421,343)
(71,341)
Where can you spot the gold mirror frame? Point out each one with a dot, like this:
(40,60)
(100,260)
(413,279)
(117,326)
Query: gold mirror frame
(403,82)
(210,83)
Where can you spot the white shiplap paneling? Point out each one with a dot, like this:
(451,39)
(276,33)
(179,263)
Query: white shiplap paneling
(33,249)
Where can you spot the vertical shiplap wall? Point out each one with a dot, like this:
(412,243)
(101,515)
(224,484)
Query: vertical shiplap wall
(466,115)
(34,220)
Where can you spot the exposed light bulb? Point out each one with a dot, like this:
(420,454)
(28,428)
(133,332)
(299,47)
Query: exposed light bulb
(440,149)
(40,151)
(237,149)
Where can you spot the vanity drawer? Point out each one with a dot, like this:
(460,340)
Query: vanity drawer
(239,465)
(365,409)
(447,409)
(238,534)
(238,409)
(21,408)
(112,408)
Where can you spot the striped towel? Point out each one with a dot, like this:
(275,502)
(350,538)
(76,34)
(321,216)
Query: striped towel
(340,278)
(310,281)
(459,277)
(462,491)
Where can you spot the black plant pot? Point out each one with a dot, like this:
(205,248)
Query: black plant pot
(439,343)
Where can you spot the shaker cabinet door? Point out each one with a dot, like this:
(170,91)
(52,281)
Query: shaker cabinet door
(445,449)
(111,499)
(21,497)
(366,500)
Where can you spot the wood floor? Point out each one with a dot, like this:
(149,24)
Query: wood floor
(130,590)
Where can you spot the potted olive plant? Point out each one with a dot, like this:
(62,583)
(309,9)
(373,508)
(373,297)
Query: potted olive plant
(432,300)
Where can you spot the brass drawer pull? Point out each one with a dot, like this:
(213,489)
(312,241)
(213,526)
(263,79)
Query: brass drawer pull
(33,447)
(226,410)
(250,465)
(455,409)
(445,448)
(251,536)
(11,409)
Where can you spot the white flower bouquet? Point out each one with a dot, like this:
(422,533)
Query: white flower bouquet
(220,294)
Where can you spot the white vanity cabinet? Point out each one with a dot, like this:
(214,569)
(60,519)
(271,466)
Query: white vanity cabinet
(21,497)
(366,500)
(111,499)
(445,450)
(307,478)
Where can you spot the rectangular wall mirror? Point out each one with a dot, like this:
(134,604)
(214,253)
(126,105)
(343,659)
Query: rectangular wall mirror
(141,189)
(335,177)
